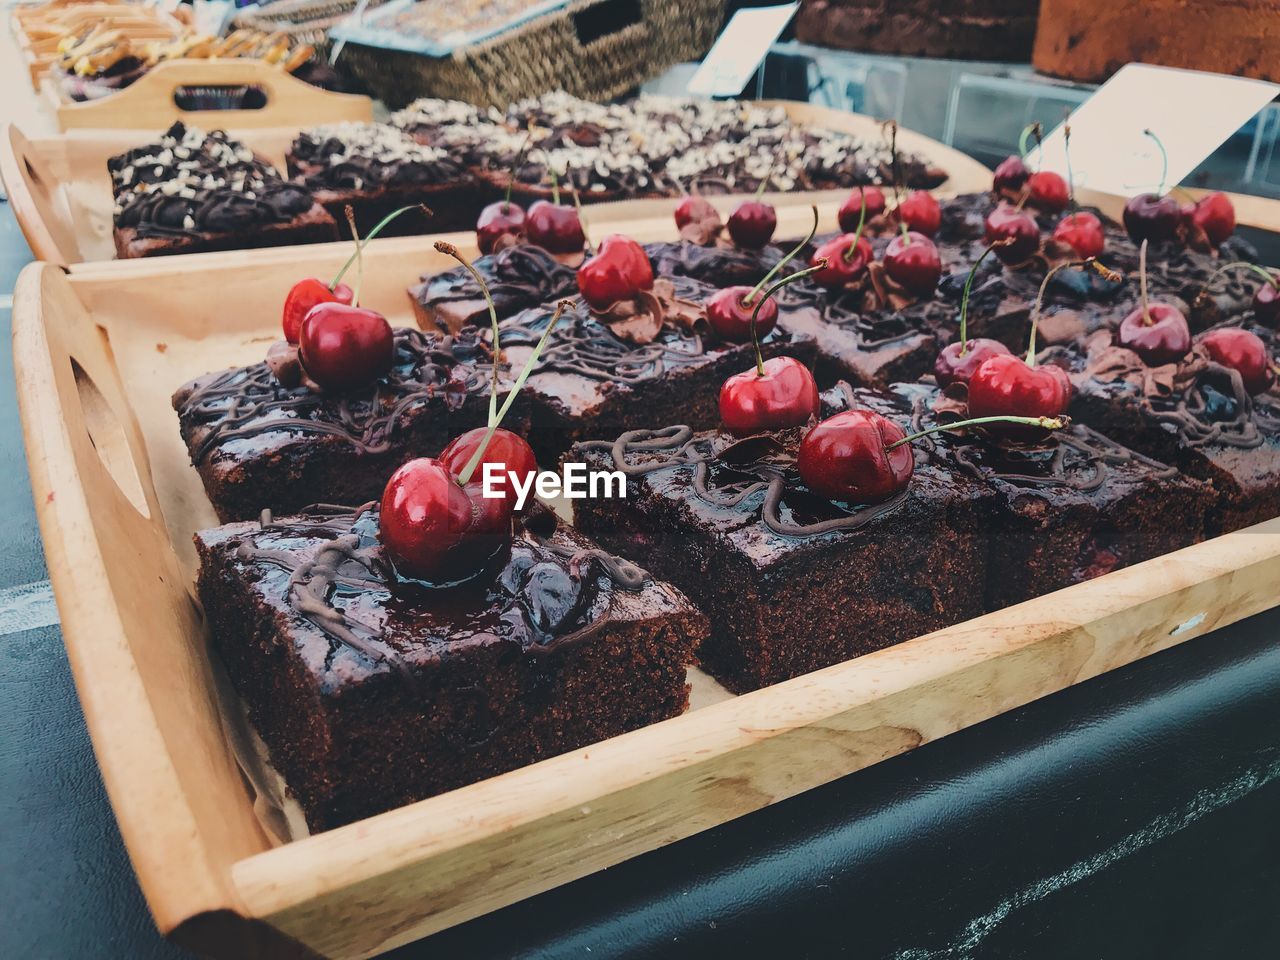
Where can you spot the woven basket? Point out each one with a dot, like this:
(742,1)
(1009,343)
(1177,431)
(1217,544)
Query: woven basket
(304,21)
(594,49)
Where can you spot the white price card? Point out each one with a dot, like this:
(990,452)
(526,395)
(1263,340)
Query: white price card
(739,50)
(1192,113)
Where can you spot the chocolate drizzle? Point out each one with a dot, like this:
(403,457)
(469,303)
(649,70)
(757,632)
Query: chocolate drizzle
(250,401)
(755,475)
(519,276)
(550,592)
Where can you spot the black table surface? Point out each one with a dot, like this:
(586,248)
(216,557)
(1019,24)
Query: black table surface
(1131,816)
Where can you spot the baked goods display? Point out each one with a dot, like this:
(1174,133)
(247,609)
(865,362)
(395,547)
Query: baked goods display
(823,446)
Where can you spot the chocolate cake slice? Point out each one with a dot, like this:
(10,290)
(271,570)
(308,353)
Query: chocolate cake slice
(603,374)
(1072,507)
(259,444)
(1194,414)
(790,580)
(375,168)
(192,192)
(371,691)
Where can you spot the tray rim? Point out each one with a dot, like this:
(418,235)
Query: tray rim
(623,796)
(39,152)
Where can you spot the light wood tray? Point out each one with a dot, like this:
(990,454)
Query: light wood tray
(61,193)
(97,352)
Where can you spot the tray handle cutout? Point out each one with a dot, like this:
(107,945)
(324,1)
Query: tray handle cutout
(601,20)
(35,199)
(109,440)
(209,97)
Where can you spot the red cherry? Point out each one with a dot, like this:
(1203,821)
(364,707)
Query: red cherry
(304,295)
(845,458)
(434,529)
(496,221)
(1149,216)
(920,212)
(509,450)
(913,261)
(619,270)
(693,209)
(1005,386)
(343,347)
(731,318)
(1243,352)
(1047,191)
(1082,232)
(1165,338)
(1215,215)
(785,395)
(951,367)
(1006,223)
(752,223)
(555,228)
(1266,302)
(1011,175)
(843,267)
(851,209)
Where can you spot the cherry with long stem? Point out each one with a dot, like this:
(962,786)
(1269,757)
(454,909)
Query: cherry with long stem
(755,312)
(465,477)
(1045,423)
(764,282)
(968,286)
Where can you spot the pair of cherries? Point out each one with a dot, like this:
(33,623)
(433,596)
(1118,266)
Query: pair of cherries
(919,210)
(555,227)
(750,225)
(1044,189)
(1158,218)
(911,259)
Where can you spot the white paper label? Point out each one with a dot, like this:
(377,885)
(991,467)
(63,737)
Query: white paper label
(739,50)
(1192,113)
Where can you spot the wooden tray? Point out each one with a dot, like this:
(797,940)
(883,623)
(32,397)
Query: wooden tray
(148,103)
(97,351)
(61,193)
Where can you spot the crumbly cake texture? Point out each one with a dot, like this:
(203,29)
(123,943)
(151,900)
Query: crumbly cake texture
(193,192)
(1068,509)
(790,581)
(375,168)
(259,445)
(1194,414)
(371,692)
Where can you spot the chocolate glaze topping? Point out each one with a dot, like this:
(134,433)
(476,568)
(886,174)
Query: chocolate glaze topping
(250,401)
(365,156)
(518,276)
(755,476)
(549,592)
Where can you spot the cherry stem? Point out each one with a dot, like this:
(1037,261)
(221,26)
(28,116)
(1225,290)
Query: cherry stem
(1164,161)
(443,246)
(768,175)
(1264,273)
(1066,150)
(1023,149)
(515,166)
(359,255)
(555,183)
(1047,423)
(1142,284)
(755,311)
(746,301)
(968,285)
(582,222)
(1038,132)
(465,477)
(847,256)
(377,229)
(893,169)
(1093,263)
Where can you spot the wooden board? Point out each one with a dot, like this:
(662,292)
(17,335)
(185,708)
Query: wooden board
(62,195)
(97,352)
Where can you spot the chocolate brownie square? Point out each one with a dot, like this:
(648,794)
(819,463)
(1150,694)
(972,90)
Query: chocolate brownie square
(1073,507)
(597,377)
(259,444)
(1194,414)
(371,692)
(791,581)
(192,192)
(374,169)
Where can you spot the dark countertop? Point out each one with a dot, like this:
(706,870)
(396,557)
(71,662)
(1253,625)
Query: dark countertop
(1130,816)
